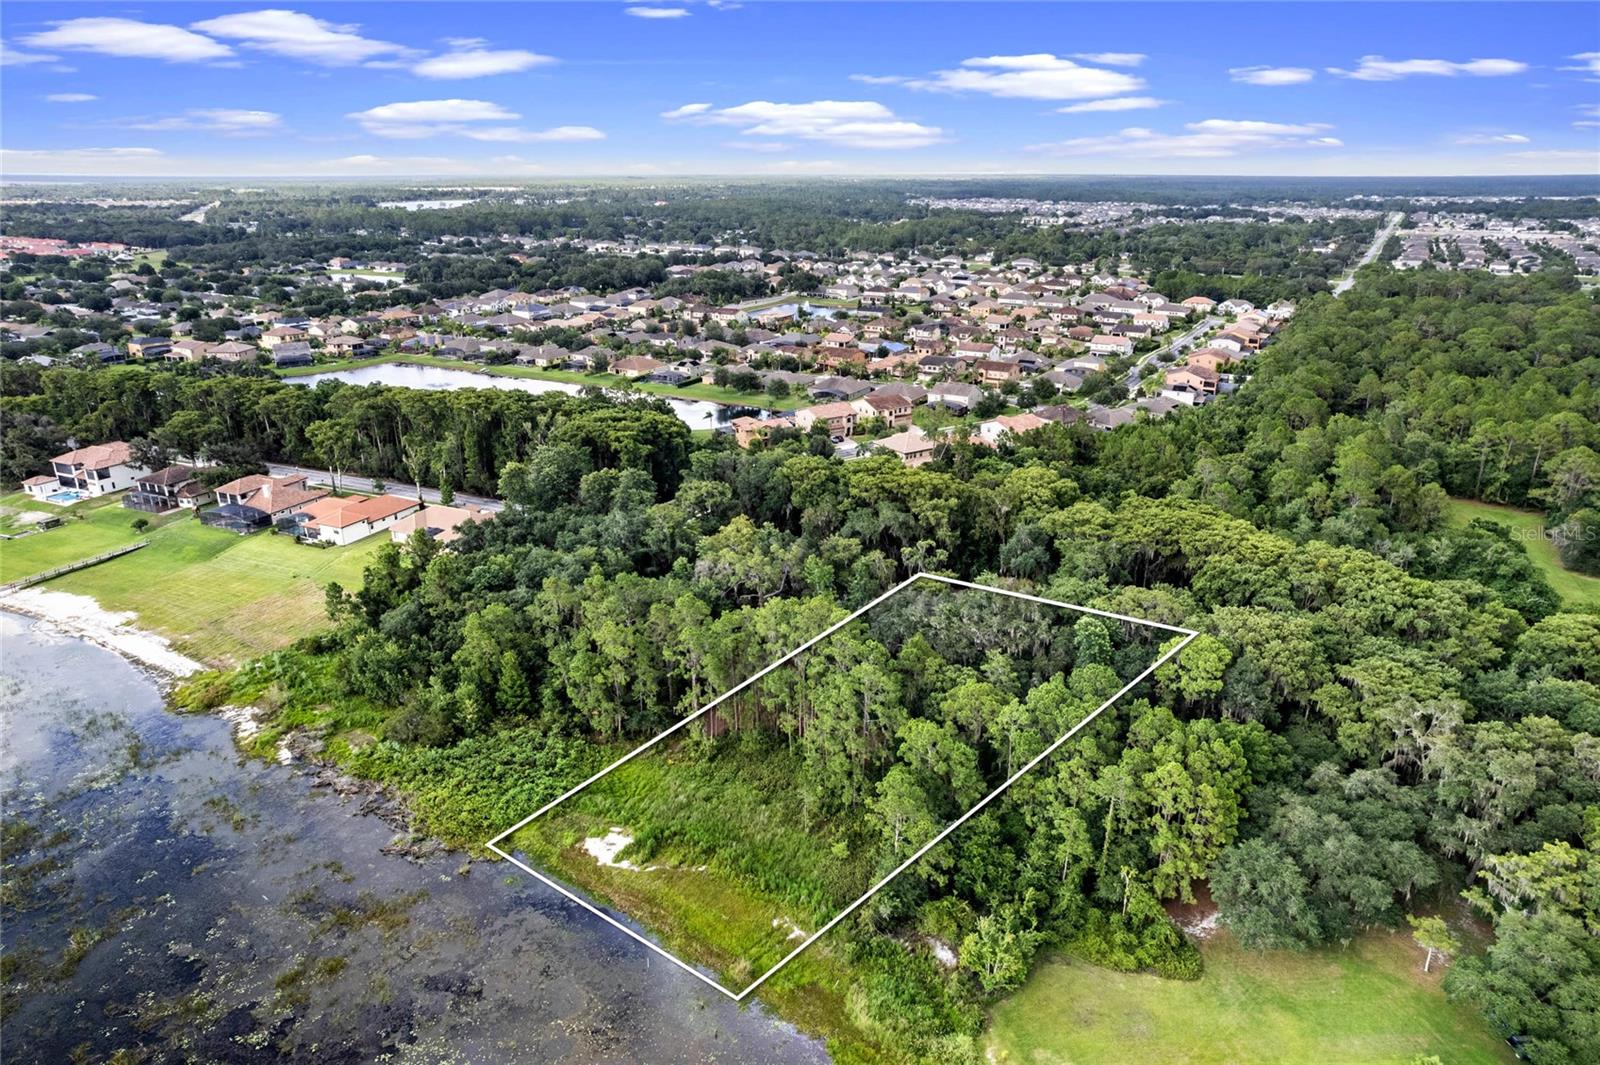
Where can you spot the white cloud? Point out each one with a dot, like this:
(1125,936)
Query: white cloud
(1245,125)
(765,147)
(846,123)
(1115,103)
(416,119)
(513,135)
(427,118)
(129,38)
(801,166)
(1211,139)
(686,111)
(1040,76)
(1377,68)
(228,121)
(1113,59)
(1590,64)
(1587,161)
(12,57)
(474,61)
(390,163)
(396,165)
(1271,75)
(73,160)
(515,161)
(301,36)
(71,97)
(1492,138)
(657,12)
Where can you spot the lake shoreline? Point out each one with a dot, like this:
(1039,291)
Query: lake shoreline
(83,617)
(230,902)
(757,400)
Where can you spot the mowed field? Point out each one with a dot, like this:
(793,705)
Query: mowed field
(1576,589)
(220,598)
(1369,1003)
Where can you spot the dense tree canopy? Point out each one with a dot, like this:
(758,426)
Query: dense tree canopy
(1381,712)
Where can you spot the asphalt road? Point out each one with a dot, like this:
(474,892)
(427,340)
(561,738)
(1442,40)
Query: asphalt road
(1378,242)
(365,484)
(1178,344)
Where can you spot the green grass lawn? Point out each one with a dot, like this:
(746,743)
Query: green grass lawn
(698,888)
(770,872)
(709,393)
(220,598)
(932,418)
(1370,1003)
(1576,589)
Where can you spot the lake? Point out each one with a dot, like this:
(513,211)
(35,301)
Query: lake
(695,413)
(162,893)
(783,311)
(425,205)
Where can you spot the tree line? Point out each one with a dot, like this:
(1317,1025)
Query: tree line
(1382,711)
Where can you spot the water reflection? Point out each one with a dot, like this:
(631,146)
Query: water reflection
(166,898)
(696,413)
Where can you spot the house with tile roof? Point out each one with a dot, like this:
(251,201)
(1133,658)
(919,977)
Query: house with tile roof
(99,469)
(257,501)
(339,521)
(438,521)
(913,447)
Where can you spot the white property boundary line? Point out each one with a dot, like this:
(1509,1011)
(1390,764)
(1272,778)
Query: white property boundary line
(493,844)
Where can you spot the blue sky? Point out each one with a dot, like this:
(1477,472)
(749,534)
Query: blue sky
(529,90)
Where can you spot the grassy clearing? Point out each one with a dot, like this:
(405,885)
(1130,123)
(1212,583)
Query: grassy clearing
(1370,1003)
(675,806)
(219,597)
(708,393)
(708,883)
(1576,589)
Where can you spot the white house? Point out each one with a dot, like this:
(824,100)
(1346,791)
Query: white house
(41,486)
(438,521)
(955,394)
(98,469)
(1105,344)
(332,520)
(994,430)
(912,447)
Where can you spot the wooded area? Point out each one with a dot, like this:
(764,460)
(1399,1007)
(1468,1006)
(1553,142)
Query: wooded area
(1383,710)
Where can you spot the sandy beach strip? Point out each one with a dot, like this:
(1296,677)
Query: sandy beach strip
(83,617)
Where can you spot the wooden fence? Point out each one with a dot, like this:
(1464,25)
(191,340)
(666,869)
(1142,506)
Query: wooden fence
(82,563)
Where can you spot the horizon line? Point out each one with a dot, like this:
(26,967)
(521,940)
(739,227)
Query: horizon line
(24,178)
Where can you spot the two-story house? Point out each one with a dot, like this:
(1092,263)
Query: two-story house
(838,418)
(98,469)
(166,489)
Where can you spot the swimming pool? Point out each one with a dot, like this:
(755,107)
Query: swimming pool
(66,497)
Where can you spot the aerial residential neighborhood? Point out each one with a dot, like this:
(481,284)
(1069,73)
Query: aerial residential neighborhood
(974,339)
(706,532)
